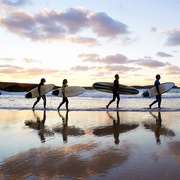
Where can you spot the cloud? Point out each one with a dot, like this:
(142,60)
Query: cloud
(111,59)
(153,29)
(150,63)
(16,2)
(105,26)
(116,59)
(84,40)
(17,72)
(173,37)
(81,68)
(29,60)
(171,69)
(8,69)
(121,68)
(7,59)
(88,57)
(163,54)
(48,25)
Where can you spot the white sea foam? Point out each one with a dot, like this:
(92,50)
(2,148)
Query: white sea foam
(92,100)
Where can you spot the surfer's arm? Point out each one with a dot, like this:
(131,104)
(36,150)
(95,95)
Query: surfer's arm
(157,83)
(39,90)
(157,88)
(116,85)
(63,91)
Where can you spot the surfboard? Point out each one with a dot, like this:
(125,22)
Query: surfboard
(44,89)
(163,88)
(70,91)
(108,88)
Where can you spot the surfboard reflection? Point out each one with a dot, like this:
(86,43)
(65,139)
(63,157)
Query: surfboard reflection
(39,125)
(158,129)
(115,129)
(66,130)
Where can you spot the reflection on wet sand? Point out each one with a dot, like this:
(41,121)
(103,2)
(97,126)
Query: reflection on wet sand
(40,126)
(158,129)
(66,130)
(88,156)
(115,129)
(64,162)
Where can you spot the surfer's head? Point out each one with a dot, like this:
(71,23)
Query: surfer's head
(65,81)
(116,76)
(43,80)
(158,76)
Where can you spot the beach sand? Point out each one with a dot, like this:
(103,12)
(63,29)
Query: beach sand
(89,145)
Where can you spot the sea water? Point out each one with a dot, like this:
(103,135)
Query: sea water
(92,100)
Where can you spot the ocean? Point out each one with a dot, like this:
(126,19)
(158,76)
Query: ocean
(92,100)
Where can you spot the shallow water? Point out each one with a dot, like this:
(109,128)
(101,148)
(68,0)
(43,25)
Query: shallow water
(92,100)
(89,144)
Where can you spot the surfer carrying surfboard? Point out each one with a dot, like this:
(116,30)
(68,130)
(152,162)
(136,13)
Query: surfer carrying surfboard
(65,99)
(115,91)
(40,96)
(158,97)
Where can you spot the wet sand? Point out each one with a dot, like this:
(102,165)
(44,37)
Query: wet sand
(89,145)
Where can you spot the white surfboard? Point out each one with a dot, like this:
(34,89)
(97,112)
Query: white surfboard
(163,88)
(44,90)
(108,88)
(70,91)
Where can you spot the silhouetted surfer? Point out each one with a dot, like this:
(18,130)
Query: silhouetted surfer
(40,96)
(115,91)
(65,99)
(158,97)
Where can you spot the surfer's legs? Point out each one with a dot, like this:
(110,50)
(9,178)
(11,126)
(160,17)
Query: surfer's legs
(114,97)
(158,99)
(65,100)
(60,104)
(44,99)
(67,103)
(159,102)
(38,99)
(118,100)
(153,103)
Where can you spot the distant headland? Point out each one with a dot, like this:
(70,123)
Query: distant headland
(25,87)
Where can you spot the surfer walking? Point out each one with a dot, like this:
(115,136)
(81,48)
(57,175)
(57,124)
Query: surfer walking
(115,92)
(65,99)
(40,95)
(158,97)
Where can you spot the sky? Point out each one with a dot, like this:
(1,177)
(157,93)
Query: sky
(87,41)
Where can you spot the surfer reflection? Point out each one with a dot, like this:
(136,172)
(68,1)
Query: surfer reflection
(67,130)
(158,126)
(41,127)
(116,127)
(114,130)
(38,125)
(158,129)
(65,124)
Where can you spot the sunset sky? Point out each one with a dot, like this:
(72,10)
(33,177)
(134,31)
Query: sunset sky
(88,41)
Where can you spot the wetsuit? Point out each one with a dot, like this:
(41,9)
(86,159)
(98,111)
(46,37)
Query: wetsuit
(115,93)
(41,96)
(65,99)
(158,97)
